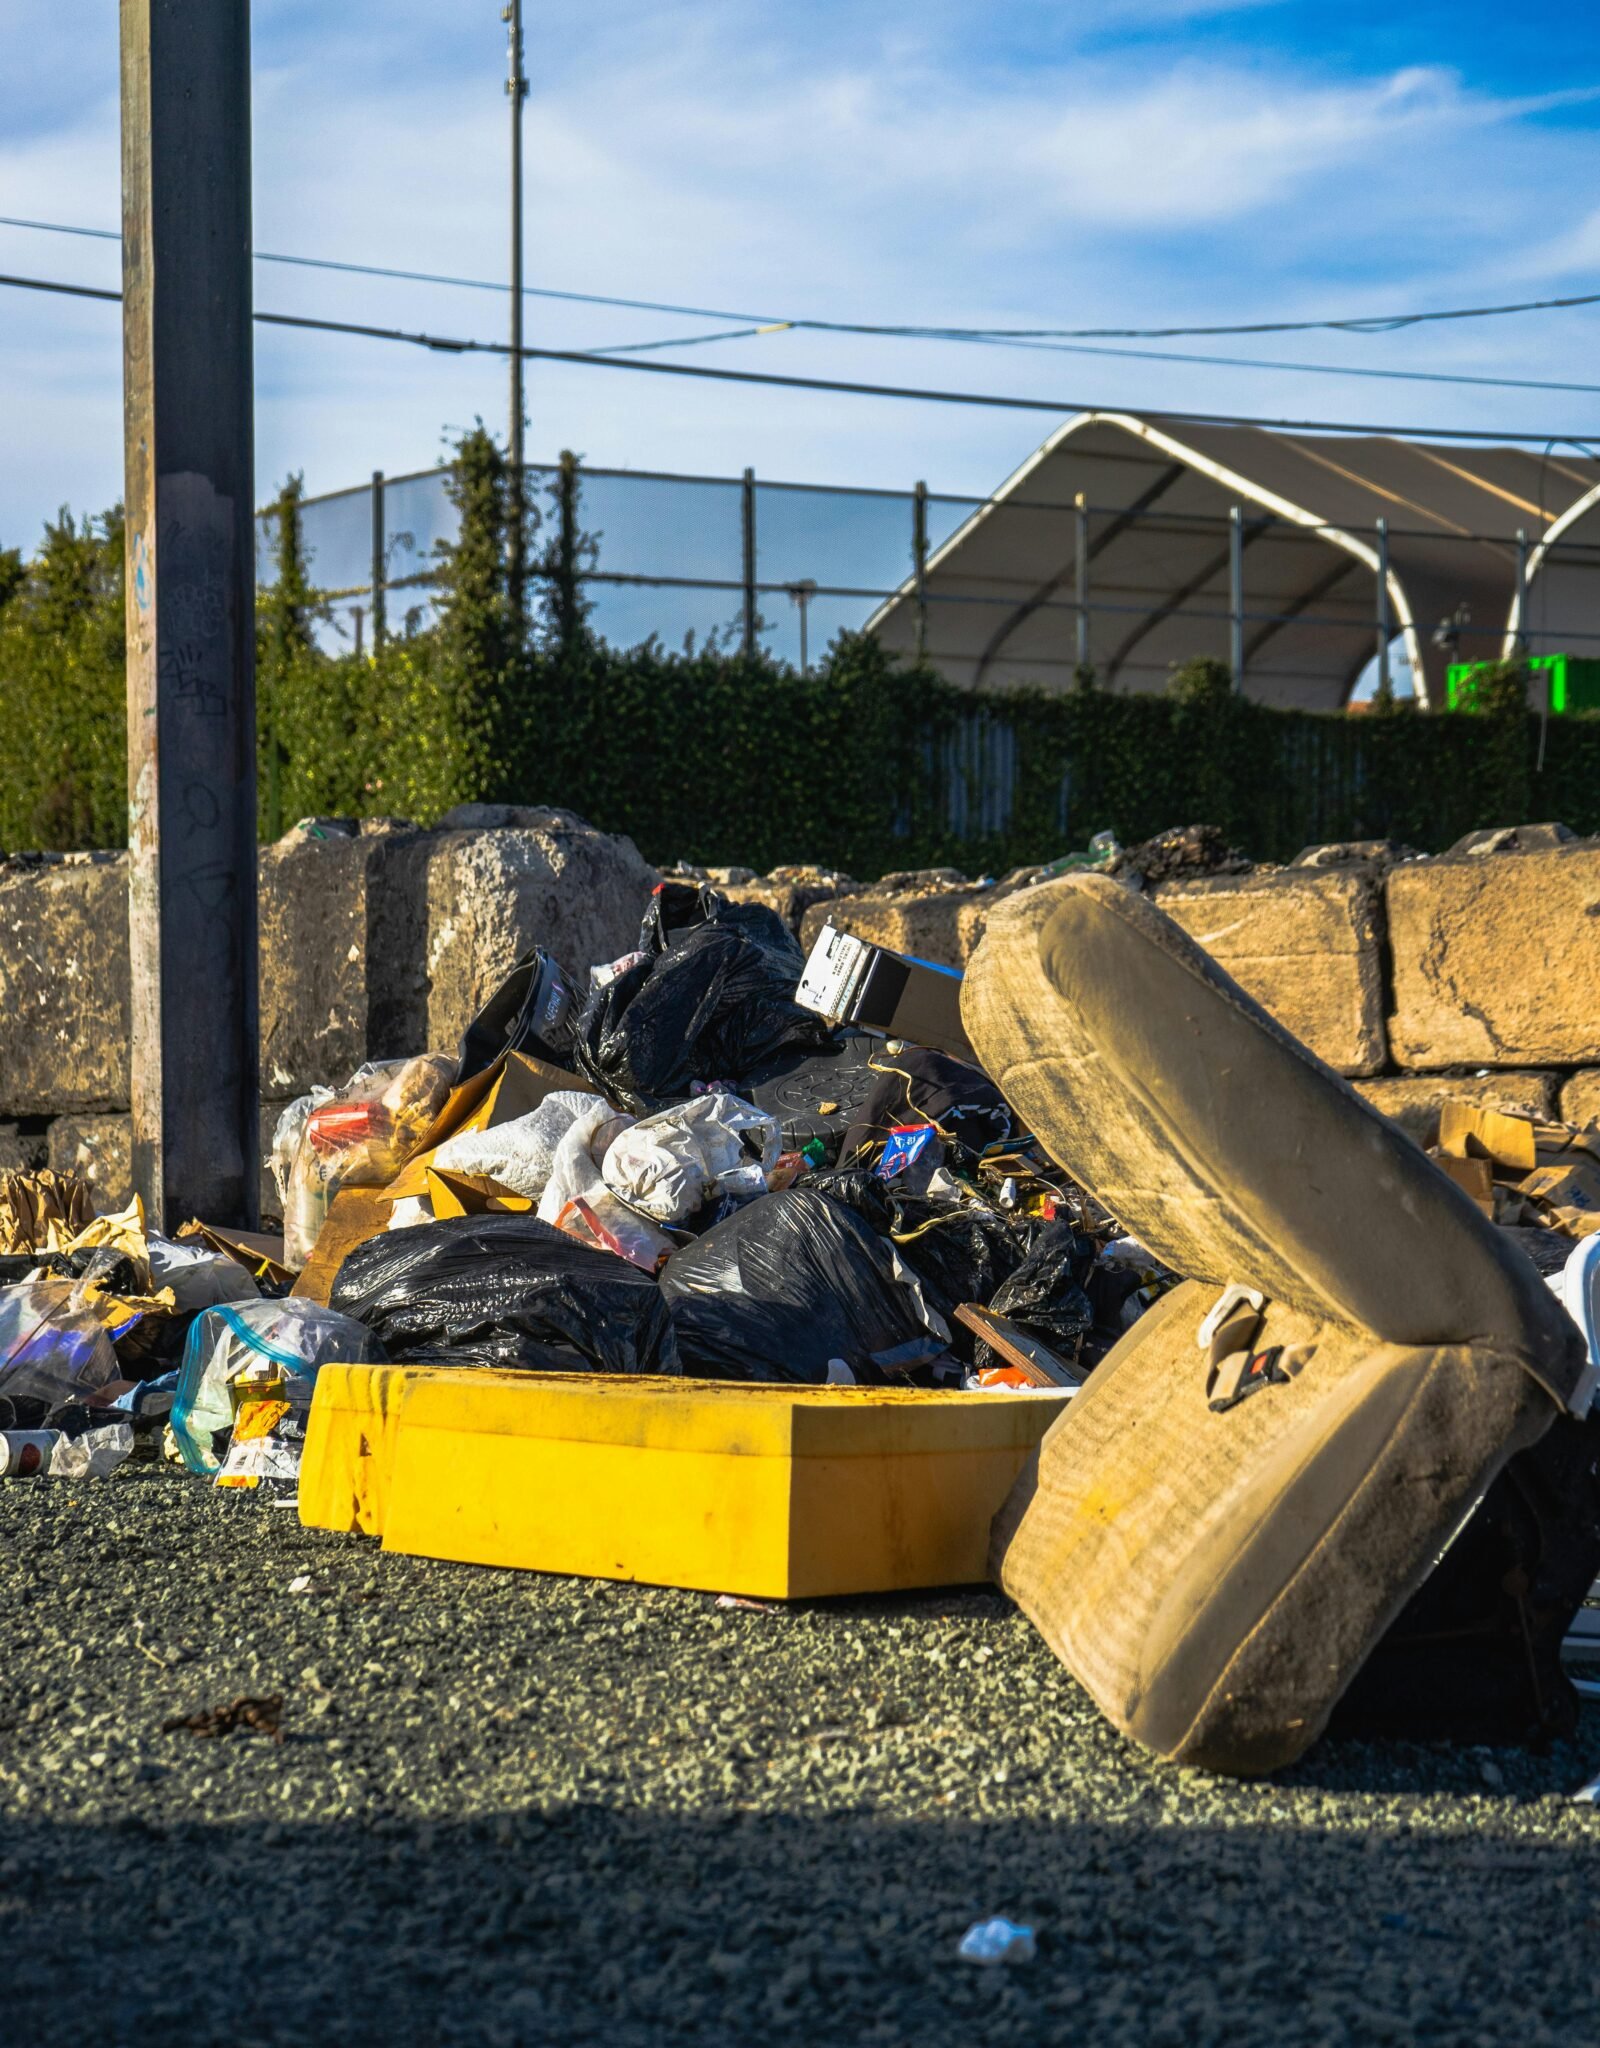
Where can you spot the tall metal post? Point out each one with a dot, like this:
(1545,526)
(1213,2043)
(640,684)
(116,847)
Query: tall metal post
(190,496)
(1081,577)
(919,563)
(517,89)
(380,563)
(1385,684)
(1522,590)
(1236,595)
(747,529)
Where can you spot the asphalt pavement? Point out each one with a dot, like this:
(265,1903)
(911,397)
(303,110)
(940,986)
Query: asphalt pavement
(513,1809)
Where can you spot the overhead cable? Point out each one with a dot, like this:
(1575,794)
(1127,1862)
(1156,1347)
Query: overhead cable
(1366,323)
(844,386)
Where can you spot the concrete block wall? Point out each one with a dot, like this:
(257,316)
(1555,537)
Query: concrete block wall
(375,942)
(1468,974)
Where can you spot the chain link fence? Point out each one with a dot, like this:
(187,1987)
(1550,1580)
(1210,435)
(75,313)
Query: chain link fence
(743,562)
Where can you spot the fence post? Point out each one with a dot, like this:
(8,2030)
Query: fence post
(919,563)
(567,553)
(1522,590)
(1385,688)
(380,563)
(1236,595)
(747,528)
(1081,577)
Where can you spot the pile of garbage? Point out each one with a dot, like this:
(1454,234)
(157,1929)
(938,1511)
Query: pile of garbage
(679,1170)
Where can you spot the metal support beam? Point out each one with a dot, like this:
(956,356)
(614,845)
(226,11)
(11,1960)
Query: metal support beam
(1080,577)
(517,91)
(380,563)
(1385,629)
(1523,642)
(747,531)
(919,564)
(1111,532)
(189,486)
(1236,595)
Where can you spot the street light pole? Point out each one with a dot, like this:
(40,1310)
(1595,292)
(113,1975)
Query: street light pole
(517,91)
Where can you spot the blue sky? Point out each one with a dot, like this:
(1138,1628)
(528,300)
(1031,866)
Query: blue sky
(1130,162)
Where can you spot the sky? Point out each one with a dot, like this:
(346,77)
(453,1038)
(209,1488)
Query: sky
(960,162)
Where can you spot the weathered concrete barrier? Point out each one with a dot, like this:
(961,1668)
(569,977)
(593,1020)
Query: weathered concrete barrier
(1497,959)
(1474,975)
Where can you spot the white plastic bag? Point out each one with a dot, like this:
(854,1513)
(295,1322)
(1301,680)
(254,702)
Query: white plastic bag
(670,1163)
(520,1154)
(577,1200)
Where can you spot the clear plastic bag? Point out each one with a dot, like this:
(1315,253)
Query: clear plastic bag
(360,1135)
(198,1278)
(259,1345)
(518,1155)
(54,1352)
(286,1136)
(670,1164)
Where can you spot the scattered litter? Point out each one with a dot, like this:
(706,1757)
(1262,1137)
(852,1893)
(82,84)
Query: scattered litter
(750,1606)
(997,1941)
(254,1716)
(300,1585)
(1588,1795)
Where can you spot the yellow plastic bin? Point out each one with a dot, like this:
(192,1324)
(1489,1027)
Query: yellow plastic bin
(786,1492)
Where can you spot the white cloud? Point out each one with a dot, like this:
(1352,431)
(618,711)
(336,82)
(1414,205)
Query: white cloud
(732,158)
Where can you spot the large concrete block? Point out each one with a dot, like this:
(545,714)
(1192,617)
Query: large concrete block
(64,984)
(1497,959)
(1580,1097)
(942,925)
(343,952)
(1306,943)
(98,1149)
(1413,1100)
(553,882)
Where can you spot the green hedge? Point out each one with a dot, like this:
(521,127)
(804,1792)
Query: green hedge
(867,763)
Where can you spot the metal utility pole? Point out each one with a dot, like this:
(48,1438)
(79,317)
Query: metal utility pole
(190,495)
(517,89)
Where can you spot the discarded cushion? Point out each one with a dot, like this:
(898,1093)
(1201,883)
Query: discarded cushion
(1216,1563)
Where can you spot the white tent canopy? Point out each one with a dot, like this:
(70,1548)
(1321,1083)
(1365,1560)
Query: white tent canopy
(999,600)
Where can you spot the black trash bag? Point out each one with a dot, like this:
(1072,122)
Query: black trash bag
(1474,1656)
(507,1291)
(791,1283)
(714,999)
(1047,1295)
(961,1251)
(918,1085)
(533,1010)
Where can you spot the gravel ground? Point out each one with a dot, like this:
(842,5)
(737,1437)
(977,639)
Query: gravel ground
(525,1810)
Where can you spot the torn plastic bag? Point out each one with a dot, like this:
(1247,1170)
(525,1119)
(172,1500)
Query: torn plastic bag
(261,1344)
(671,1163)
(711,1002)
(532,1011)
(506,1291)
(55,1353)
(1047,1295)
(961,1251)
(916,1085)
(518,1155)
(797,1287)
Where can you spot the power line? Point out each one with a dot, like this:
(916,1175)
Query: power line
(1371,323)
(1005,401)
